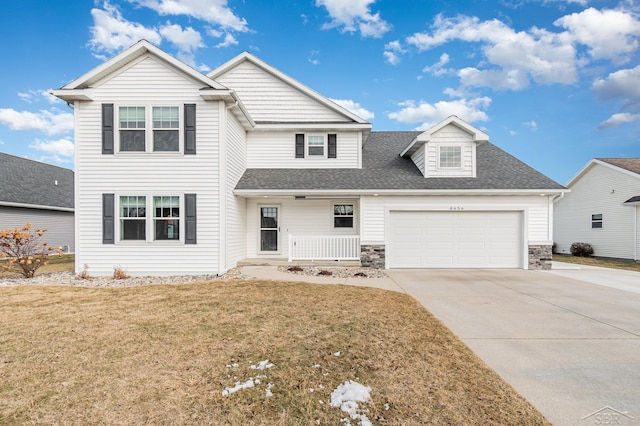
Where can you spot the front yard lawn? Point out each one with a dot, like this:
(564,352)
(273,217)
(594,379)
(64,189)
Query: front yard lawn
(167,354)
(593,261)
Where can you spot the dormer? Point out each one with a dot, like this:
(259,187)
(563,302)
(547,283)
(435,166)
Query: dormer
(448,149)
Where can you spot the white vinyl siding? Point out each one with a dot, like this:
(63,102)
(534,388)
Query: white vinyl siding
(147,81)
(418,159)
(600,190)
(297,217)
(235,228)
(269,99)
(276,150)
(59,224)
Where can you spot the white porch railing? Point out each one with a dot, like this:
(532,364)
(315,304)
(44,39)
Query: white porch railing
(324,247)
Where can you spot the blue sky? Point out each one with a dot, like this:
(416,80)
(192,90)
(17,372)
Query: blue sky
(553,82)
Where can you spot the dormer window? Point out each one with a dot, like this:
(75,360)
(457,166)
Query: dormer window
(450,157)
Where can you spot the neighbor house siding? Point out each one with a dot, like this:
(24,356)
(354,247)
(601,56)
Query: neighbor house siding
(236,214)
(147,81)
(600,190)
(59,224)
(269,99)
(297,217)
(277,150)
(535,208)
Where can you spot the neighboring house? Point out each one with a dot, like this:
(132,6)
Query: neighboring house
(602,209)
(40,194)
(182,173)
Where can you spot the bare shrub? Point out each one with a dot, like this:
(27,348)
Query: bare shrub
(120,274)
(295,268)
(24,250)
(84,274)
(325,272)
(581,249)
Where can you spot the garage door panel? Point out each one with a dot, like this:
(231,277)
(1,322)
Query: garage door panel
(429,239)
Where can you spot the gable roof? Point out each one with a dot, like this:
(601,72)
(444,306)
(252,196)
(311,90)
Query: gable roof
(477,135)
(384,171)
(28,183)
(248,57)
(627,166)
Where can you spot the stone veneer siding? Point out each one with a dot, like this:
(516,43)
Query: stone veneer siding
(372,255)
(540,257)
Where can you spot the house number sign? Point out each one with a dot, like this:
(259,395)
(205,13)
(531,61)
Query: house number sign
(456,208)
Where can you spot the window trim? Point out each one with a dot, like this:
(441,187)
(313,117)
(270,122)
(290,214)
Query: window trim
(150,219)
(439,154)
(597,223)
(352,215)
(149,128)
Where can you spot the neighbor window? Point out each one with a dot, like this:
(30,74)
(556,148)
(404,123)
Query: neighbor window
(166,218)
(133,213)
(135,128)
(315,145)
(166,128)
(596,221)
(343,216)
(132,128)
(450,157)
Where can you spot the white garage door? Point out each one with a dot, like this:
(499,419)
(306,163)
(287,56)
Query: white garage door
(446,239)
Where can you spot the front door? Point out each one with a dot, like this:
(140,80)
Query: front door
(269,229)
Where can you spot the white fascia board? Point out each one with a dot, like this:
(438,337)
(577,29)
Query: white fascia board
(246,56)
(72,95)
(36,206)
(374,192)
(594,162)
(477,134)
(306,127)
(232,100)
(135,51)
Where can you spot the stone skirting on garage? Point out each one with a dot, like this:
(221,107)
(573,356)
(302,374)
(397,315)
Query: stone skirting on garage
(372,255)
(540,257)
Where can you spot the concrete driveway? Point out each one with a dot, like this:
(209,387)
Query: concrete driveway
(569,346)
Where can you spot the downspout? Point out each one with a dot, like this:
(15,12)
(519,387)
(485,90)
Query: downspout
(635,235)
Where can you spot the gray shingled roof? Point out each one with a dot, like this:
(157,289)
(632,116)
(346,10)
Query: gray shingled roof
(25,181)
(384,169)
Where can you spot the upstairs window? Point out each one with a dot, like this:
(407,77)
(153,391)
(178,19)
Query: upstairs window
(450,157)
(166,128)
(596,221)
(315,145)
(132,128)
(343,215)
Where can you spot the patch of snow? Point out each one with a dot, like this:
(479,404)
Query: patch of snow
(268,393)
(336,353)
(248,384)
(262,365)
(316,366)
(347,395)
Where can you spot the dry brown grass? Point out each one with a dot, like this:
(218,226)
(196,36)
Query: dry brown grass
(159,354)
(56,264)
(594,261)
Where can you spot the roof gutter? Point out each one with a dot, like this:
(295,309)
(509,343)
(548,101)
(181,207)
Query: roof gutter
(377,192)
(36,206)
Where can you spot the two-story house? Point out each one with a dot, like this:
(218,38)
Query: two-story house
(183,173)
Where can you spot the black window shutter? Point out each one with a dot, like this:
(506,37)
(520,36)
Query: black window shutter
(332,146)
(107,128)
(108,220)
(190,129)
(299,145)
(190,218)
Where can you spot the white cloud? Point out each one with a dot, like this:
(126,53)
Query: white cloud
(437,68)
(622,84)
(537,55)
(355,108)
(111,32)
(215,12)
(608,34)
(57,148)
(52,122)
(619,119)
(531,125)
(229,40)
(31,96)
(392,51)
(312,57)
(186,40)
(355,15)
(470,110)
